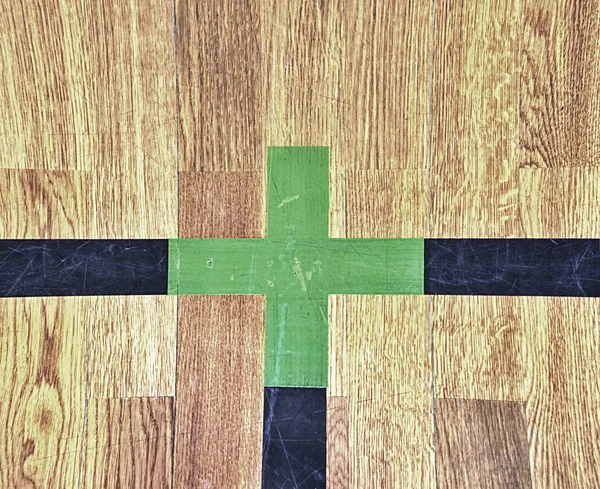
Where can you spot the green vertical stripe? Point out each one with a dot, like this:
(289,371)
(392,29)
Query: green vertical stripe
(298,192)
(173,268)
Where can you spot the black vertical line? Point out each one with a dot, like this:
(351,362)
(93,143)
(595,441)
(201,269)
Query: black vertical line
(177,120)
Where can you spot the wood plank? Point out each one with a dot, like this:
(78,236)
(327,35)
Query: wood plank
(387,204)
(539,350)
(337,203)
(42,386)
(221,205)
(89,88)
(560,80)
(385,118)
(481,444)
(128,443)
(560,202)
(219,403)
(58,204)
(45,204)
(484,348)
(300,46)
(219,96)
(565,428)
(327,80)
(475,101)
(390,422)
(337,442)
(337,383)
(132,344)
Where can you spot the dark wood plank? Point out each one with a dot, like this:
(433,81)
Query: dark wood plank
(219,397)
(337,442)
(482,444)
(221,205)
(219,69)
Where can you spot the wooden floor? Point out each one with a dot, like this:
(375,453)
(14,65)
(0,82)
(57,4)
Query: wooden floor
(444,119)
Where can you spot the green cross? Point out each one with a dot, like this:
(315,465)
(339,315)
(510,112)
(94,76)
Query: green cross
(297,266)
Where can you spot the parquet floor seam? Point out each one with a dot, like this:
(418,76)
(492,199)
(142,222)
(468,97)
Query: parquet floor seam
(158,130)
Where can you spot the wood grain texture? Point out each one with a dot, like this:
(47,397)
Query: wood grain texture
(475,102)
(327,80)
(219,80)
(384,123)
(481,444)
(42,387)
(337,442)
(390,422)
(219,403)
(560,202)
(131,344)
(538,350)
(387,204)
(337,382)
(59,204)
(128,444)
(560,79)
(337,203)
(480,348)
(221,205)
(89,88)
(294,74)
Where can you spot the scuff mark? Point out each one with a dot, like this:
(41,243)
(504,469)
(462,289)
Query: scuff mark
(298,272)
(287,200)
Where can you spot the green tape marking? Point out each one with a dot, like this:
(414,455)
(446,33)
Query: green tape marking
(298,191)
(297,266)
(173,268)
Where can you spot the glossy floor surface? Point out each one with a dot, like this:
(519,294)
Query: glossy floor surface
(138,122)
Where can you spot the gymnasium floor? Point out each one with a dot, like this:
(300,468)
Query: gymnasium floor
(299,244)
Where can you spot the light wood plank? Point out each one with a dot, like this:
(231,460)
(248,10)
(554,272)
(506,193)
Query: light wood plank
(475,101)
(89,87)
(132,343)
(481,444)
(387,204)
(337,385)
(42,387)
(128,443)
(560,202)
(219,406)
(337,203)
(560,80)
(539,350)
(390,422)
(481,347)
